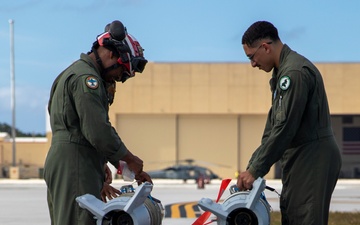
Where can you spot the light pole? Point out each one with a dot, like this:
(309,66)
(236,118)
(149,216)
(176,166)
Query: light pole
(12,78)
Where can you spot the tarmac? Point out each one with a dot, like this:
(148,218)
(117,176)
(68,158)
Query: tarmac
(24,201)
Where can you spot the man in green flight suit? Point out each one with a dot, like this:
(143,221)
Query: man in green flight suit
(298,130)
(83,139)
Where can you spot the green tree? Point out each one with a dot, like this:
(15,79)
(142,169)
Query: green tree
(7,128)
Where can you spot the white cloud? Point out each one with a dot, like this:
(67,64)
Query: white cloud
(5,98)
(31,97)
(30,104)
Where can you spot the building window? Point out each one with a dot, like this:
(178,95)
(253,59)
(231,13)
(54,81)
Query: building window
(351,141)
(347,119)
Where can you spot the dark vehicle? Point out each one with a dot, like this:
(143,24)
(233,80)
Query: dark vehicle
(184,172)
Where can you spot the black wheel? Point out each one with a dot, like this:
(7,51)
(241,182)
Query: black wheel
(121,218)
(242,216)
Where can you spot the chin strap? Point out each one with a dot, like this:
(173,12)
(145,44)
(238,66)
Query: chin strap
(111,89)
(97,57)
(115,66)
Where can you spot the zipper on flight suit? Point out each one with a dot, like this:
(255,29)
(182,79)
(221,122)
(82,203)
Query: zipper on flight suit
(279,111)
(280,99)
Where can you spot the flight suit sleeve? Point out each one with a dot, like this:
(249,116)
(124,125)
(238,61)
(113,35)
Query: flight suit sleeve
(91,103)
(264,138)
(287,112)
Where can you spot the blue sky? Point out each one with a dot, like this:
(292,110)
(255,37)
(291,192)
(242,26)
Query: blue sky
(49,35)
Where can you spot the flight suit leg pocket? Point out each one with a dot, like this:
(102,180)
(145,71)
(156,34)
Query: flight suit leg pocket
(302,215)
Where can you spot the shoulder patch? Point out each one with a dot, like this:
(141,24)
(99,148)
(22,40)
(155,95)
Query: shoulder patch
(284,83)
(92,82)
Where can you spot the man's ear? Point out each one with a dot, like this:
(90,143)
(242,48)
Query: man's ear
(267,47)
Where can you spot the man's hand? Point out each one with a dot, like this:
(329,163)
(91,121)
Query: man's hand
(245,181)
(108,175)
(109,192)
(134,163)
(143,177)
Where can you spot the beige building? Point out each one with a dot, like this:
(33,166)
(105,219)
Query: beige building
(211,112)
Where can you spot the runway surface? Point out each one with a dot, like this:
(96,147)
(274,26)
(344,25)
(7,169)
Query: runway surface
(24,201)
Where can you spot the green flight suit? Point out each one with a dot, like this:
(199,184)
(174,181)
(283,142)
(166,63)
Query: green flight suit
(298,133)
(83,140)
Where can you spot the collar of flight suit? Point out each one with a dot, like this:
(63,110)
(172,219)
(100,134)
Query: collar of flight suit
(86,58)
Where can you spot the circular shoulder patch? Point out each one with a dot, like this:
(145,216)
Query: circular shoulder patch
(284,83)
(92,82)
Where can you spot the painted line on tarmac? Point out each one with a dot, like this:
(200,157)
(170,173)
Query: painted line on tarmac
(182,210)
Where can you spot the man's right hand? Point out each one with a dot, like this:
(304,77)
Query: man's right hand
(143,177)
(245,181)
(134,163)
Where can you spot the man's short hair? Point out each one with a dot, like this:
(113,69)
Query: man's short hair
(260,30)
